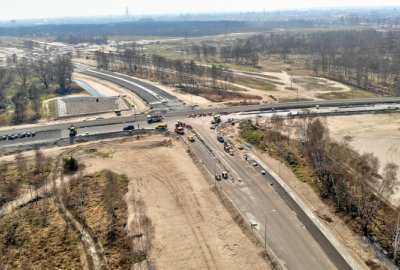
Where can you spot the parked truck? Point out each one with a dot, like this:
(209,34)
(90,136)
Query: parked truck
(228,147)
(153,118)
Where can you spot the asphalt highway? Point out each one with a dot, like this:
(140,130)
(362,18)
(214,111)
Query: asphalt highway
(148,92)
(287,230)
(55,131)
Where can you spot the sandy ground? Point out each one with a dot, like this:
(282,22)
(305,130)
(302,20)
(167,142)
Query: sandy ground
(107,89)
(378,134)
(192,229)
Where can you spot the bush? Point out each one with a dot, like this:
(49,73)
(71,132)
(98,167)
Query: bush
(253,137)
(70,165)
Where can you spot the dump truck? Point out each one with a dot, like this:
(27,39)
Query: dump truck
(179,128)
(227,146)
(216,119)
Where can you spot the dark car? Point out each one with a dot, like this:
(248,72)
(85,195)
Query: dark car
(128,127)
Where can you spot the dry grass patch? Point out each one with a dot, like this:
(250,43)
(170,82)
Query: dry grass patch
(97,200)
(36,236)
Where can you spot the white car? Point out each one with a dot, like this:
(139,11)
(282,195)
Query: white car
(253,223)
(263,172)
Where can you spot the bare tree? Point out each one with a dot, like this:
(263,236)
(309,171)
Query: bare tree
(42,69)
(23,70)
(63,71)
(20,102)
(6,78)
(369,190)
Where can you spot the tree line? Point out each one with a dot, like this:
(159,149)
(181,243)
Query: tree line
(31,78)
(367,59)
(184,74)
(77,38)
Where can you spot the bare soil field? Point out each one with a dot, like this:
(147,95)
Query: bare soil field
(170,211)
(377,134)
(192,230)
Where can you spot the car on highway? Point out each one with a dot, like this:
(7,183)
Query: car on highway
(3,137)
(161,126)
(254,163)
(253,223)
(220,138)
(190,138)
(263,172)
(217,177)
(128,127)
(225,175)
(33,134)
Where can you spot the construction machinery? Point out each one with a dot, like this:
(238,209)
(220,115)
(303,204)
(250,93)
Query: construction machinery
(179,128)
(216,119)
(73,131)
(228,147)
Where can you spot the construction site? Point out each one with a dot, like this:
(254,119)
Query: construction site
(188,227)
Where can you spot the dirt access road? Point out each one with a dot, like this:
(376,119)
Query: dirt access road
(192,230)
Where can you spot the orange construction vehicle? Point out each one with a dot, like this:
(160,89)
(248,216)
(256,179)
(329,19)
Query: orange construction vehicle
(179,128)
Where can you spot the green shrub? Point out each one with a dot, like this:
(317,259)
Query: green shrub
(70,165)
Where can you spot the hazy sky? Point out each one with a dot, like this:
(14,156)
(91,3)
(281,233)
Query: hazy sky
(17,9)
